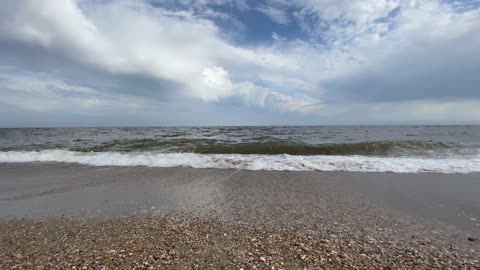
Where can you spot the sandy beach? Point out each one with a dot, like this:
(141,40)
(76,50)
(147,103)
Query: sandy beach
(66,215)
(239,134)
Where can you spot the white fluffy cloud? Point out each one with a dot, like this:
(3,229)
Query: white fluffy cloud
(134,38)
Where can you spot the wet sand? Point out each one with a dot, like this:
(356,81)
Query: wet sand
(376,219)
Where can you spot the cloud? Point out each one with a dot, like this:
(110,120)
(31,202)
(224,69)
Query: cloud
(361,53)
(339,21)
(430,53)
(42,93)
(172,45)
(386,50)
(427,111)
(216,84)
(277,15)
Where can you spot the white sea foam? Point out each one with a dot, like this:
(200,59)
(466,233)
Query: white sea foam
(250,162)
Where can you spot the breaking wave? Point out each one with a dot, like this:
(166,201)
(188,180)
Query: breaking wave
(276,147)
(379,148)
(282,162)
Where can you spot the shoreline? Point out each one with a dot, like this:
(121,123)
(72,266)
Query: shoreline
(435,216)
(447,198)
(254,162)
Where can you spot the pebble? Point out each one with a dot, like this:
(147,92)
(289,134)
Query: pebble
(179,243)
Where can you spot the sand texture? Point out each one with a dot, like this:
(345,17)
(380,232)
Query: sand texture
(57,216)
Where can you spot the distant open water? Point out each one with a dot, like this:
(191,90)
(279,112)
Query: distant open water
(413,149)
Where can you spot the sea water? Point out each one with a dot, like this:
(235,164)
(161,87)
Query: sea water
(406,149)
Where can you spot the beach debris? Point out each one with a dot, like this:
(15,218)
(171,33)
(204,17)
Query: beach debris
(471,239)
(263,259)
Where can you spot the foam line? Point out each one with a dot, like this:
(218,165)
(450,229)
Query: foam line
(250,162)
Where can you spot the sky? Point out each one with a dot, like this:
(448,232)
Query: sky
(243,62)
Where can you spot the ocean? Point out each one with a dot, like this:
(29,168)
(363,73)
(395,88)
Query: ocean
(402,149)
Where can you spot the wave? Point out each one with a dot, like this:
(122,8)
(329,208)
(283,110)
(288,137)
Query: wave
(275,147)
(250,162)
(377,148)
(148,144)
